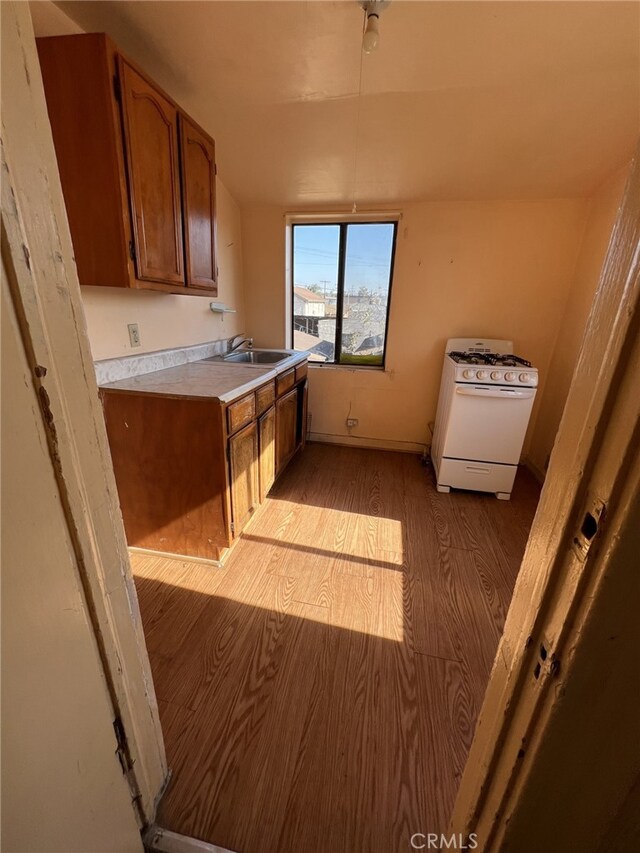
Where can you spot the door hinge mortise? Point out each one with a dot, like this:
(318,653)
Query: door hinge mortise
(124,757)
(590,526)
(132,250)
(122,750)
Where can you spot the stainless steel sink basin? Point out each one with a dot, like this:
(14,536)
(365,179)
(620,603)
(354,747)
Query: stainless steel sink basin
(252,357)
(257,357)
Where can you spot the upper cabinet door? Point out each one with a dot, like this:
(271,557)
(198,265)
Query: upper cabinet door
(151,135)
(199,193)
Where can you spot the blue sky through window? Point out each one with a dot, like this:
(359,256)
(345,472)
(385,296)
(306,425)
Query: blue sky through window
(369,247)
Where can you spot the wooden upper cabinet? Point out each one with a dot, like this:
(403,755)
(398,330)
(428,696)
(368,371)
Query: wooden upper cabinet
(78,74)
(198,165)
(138,176)
(151,134)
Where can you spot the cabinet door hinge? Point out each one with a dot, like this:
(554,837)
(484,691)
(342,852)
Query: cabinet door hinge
(132,250)
(116,88)
(233,527)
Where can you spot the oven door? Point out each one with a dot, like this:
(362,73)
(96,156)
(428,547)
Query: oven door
(488,423)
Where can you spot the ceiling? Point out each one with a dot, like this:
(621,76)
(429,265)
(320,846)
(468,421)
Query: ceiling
(462,100)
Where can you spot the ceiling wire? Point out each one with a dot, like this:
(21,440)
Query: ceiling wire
(357,139)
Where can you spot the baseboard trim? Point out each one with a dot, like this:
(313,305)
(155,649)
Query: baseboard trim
(372,443)
(538,473)
(218,564)
(158,840)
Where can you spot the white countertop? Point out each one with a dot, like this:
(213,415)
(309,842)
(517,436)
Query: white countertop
(218,380)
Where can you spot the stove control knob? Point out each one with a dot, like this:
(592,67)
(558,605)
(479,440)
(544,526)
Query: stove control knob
(468,374)
(496,374)
(524,377)
(510,376)
(482,374)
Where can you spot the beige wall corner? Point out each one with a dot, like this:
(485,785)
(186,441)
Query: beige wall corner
(555,754)
(493,268)
(603,206)
(264,252)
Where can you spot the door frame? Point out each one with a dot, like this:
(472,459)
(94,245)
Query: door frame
(38,254)
(37,250)
(593,470)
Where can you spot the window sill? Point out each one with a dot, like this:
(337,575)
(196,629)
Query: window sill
(316,365)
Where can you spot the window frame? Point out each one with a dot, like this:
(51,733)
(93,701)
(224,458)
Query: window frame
(343,225)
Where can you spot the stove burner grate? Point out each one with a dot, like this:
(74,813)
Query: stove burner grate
(489,358)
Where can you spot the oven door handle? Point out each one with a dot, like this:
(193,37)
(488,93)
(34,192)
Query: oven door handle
(493,391)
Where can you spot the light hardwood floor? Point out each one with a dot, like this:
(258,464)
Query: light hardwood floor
(320,692)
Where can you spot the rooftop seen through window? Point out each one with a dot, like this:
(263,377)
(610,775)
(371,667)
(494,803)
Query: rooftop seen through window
(341,286)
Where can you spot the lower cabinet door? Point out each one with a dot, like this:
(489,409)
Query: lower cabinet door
(243,469)
(267,449)
(286,428)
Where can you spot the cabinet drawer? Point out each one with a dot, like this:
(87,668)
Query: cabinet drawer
(301,371)
(241,412)
(285,381)
(265,397)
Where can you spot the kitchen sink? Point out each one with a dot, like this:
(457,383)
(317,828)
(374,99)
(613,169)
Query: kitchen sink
(252,357)
(257,357)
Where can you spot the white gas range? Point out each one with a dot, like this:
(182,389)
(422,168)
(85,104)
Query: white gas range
(486,397)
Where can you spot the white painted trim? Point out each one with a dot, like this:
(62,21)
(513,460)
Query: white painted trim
(306,217)
(373,443)
(353,368)
(46,294)
(158,840)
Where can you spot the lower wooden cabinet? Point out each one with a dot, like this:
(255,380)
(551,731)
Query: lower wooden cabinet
(171,471)
(267,451)
(286,428)
(192,472)
(243,470)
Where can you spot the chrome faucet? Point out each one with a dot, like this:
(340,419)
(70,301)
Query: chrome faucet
(234,346)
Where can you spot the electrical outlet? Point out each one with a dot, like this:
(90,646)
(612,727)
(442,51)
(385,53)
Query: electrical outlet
(134,334)
(352,422)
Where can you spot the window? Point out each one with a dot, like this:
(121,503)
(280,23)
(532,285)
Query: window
(341,286)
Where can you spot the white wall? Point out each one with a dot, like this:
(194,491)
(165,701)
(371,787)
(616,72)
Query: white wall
(499,268)
(165,320)
(603,207)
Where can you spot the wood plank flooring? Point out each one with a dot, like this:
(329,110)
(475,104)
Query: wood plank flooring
(320,692)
